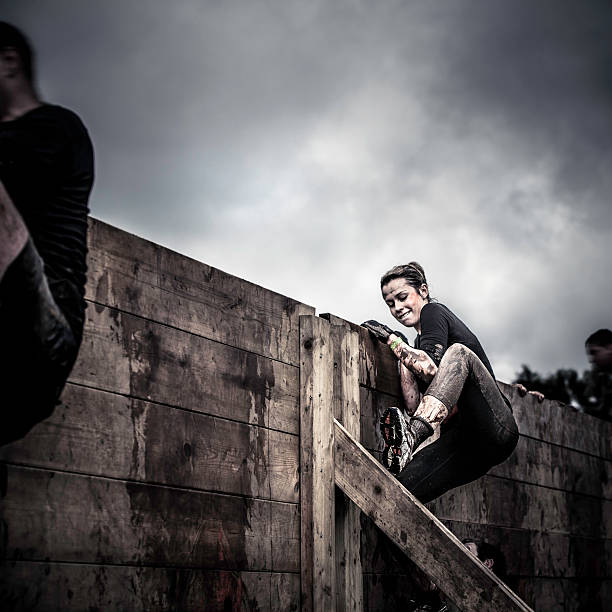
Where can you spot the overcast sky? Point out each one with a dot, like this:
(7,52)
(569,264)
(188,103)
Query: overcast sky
(308,146)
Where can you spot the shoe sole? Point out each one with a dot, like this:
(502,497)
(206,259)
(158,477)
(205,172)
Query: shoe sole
(391,428)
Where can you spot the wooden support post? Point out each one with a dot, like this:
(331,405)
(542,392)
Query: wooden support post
(317,492)
(349,577)
(417,532)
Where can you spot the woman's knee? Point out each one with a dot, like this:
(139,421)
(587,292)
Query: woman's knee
(458,352)
(502,447)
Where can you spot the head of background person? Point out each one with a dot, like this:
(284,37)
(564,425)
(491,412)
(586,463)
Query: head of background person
(471,545)
(405,291)
(16,60)
(599,350)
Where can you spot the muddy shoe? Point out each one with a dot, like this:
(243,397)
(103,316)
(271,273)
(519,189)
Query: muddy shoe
(402,437)
(393,426)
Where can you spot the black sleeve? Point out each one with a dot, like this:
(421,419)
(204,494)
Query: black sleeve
(434,331)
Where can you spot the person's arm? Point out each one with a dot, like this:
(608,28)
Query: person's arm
(415,360)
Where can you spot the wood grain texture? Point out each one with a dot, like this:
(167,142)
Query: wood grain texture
(146,279)
(349,580)
(507,503)
(416,531)
(560,424)
(549,465)
(540,553)
(561,595)
(100,433)
(317,466)
(48,586)
(125,354)
(74,518)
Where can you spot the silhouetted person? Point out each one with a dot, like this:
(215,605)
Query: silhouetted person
(599,351)
(46,176)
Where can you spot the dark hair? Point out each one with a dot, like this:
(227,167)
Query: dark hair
(602,337)
(488,551)
(413,273)
(10,36)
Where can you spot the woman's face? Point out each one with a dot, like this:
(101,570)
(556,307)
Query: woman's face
(405,302)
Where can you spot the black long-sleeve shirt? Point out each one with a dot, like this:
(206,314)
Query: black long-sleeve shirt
(46,166)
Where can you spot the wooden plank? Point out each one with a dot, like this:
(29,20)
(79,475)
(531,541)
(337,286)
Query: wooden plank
(377,364)
(388,592)
(146,279)
(485,501)
(373,404)
(429,544)
(349,581)
(559,594)
(125,354)
(74,518)
(317,466)
(75,587)
(554,466)
(100,433)
(560,424)
(540,553)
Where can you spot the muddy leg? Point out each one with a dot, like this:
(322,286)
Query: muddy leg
(410,389)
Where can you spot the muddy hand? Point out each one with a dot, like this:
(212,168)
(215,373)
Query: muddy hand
(380,330)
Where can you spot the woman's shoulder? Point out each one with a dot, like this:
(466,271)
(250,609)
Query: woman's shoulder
(435,309)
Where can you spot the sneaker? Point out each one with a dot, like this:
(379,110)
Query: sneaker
(402,438)
(387,456)
(398,440)
(393,426)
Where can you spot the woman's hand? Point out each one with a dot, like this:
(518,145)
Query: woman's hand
(380,330)
(415,360)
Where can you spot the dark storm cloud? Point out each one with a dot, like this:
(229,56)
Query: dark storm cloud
(545,69)
(348,136)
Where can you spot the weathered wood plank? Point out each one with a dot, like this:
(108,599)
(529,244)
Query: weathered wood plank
(317,466)
(74,518)
(100,433)
(560,595)
(373,404)
(560,424)
(74,587)
(542,554)
(487,501)
(550,465)
(125,354)
(146,279)
(349,580)
(382,593)
(429,544)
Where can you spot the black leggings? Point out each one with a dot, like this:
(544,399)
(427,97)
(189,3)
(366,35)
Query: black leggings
(482,434)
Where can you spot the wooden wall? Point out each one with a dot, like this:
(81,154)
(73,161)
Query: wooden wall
(168,478)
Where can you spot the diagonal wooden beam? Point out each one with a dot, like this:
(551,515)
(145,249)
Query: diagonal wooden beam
(417,532)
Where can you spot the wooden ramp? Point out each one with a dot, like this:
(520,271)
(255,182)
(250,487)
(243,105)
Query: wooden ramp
(331,456)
